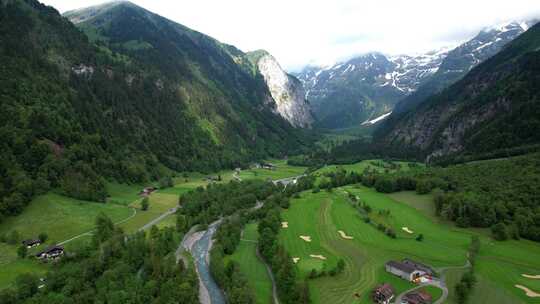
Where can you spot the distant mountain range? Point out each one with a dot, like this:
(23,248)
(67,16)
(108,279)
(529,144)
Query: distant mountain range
(493,111)
(367,86)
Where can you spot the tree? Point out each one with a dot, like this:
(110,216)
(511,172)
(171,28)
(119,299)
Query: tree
(181,223)
(27,285)
(22,251)
(104,228)
(43,237)
(420,237)
(145,203)
(499,232)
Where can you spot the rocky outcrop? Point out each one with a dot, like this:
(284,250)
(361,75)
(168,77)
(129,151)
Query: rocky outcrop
(287,92)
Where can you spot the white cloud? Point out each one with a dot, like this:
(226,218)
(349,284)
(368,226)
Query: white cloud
(299,32)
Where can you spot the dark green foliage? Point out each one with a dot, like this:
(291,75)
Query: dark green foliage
(203,206)
(499,231)
(145,203)
(166,182)
(22,251)
(43,237)
(420,237)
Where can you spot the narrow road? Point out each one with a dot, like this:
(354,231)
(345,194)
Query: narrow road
(158,219)
(435,283)
(270,274)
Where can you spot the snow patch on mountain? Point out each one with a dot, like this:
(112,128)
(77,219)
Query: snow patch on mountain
(376,120)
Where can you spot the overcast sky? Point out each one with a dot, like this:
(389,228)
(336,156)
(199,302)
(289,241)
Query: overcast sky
(300,32)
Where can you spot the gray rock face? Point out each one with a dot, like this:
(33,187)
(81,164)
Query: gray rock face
(287,92)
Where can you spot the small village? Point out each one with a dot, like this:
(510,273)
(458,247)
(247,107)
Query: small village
(411,271)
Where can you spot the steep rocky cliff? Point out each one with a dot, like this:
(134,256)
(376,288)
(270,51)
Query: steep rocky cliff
(286,90)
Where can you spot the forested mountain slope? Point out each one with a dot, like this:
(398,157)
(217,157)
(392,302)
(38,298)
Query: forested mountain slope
(152,94)
(495,108)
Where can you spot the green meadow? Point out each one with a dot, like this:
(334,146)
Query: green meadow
(252,267)
(500,265)
(282,170)
(61,218)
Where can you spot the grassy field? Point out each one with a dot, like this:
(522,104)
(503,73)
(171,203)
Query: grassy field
(58,216)
(499,265)
(159,204)
(252,267)
(282,170)
(359,167)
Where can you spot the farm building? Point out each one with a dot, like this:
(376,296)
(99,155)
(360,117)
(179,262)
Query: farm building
(268,166)
(417,297)
(405,271)
(383,294)
(147,191)
(420,266)
(51,253)
(31,243)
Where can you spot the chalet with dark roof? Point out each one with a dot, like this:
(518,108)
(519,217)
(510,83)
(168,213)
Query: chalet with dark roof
(383,294)
(405,271)
(51,253)
(31,243)
(417,297)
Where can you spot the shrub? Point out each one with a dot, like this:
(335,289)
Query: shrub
(420,237)
(22,251)
(499,232)
(43,237)
(145,203)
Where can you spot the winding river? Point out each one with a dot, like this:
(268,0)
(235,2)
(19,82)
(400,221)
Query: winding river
(200,252)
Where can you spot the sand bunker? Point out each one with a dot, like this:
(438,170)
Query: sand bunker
(344,235)
(306,238)
(406,229)
(528,292)
(295,260)
(530,276)
(318,256)
(284,224)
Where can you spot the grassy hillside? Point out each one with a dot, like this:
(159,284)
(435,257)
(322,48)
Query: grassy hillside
(141,97)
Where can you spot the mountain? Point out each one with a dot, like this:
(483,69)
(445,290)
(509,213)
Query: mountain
(371,85)
(130,99)
(462,59)
(493,111)
(364,87)
(286,90)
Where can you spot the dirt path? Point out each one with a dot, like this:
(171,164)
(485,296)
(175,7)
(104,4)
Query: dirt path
(90,232)
(158,219)
(270,274)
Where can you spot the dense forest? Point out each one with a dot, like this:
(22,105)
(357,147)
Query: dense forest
(76,113)
(114,268)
